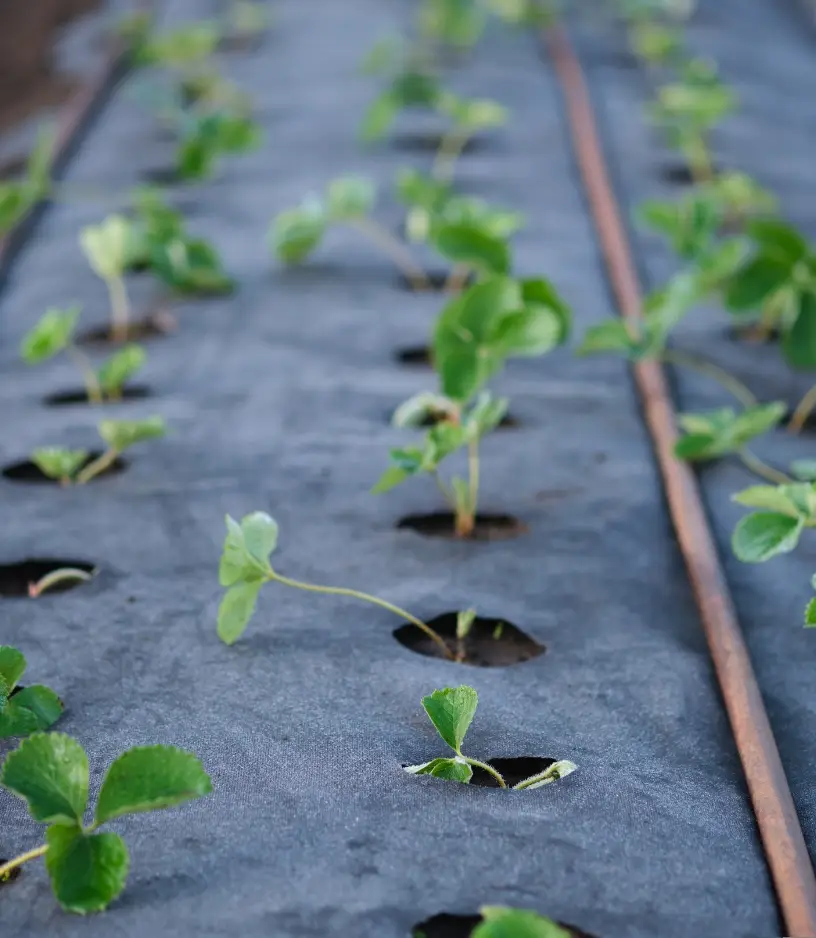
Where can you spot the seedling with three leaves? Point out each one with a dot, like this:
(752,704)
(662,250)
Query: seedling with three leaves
(50,772)
(23,710)
(451,711)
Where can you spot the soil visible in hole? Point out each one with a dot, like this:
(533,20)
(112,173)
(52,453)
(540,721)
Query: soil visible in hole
(679,174)
(446,925)
(808,427)
(15,578)
(753,334)
(508,421)
(441,524)
(413,355)
(512,770)
(437,281)
(133,392)
(152,326)
(429,141)
(491,643)
(9,877)
(29,472)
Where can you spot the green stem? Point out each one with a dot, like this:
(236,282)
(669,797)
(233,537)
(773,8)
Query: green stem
(699,159)
(450,149)
(458,278)
(365,597)
(488,768)
(55,577)
(120,309)
(473,472)
(762,469)
(446,492)
(394,249)
(803,410)
(12,865)
(99,465)
(92,385)
(724,378)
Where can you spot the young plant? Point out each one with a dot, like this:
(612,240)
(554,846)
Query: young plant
(245,568)
(71,467)
(18,197)
(206,137)
(656,43)
(106,247)
(688,110)
(349,200)
(502,922)
(23,710)
(54,334)
(413,86)
(468,117)
(785,511)
(472,249)
(50,772)
(451,711)
(457,24)
(475,334)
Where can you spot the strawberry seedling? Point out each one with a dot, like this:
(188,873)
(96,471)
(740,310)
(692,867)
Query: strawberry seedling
(502,922)
(106,248)
(23,710)
(50,772)
(451,711)
(467,116)
(785,511)
(206,137)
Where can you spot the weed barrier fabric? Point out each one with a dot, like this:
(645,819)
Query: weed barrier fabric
(277,399)
(770,138)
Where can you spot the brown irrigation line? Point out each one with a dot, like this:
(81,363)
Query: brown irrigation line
(784,844)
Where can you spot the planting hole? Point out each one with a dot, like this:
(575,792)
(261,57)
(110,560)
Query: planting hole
(161,176)
(11,876)
(513,770)
(441,524)
(679,174)
(446,925)
(753,334)
(507,422)
(28,472)
(429,141)
(809,425)
(490,643)
(418,355)
(134,392)
(16,578)
(155,325)
(437,281)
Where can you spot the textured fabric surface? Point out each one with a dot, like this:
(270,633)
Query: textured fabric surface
(277,399)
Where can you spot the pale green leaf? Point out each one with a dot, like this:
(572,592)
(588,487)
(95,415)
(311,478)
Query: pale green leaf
(236,610)
(451,711)
(763,535)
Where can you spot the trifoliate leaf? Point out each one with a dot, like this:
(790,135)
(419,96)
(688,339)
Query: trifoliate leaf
(236,610)
(31,710)
(149,778)
(50,772)
(454,770)
(51,335)
(238,562)
(121,366)
(260,536)
(122,434)
(781,499)
(717,432)
(763,535)
(88,871)
(62,464)
(501,922)
(451,711)
(296,233)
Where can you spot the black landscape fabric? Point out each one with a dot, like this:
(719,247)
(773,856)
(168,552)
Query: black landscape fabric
(277,399)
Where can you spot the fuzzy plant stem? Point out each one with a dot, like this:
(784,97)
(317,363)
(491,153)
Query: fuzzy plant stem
(487,768)
(120,309)
(762,469)
(725,379)
(365,597)
(803,410)
(699,159)
(92,387)
(394,249)
(450,149)
(99,465)
(457,280)
(12,865)
(473,472)
(55,578)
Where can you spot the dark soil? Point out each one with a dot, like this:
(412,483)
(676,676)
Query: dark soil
(441,524)
(15,578)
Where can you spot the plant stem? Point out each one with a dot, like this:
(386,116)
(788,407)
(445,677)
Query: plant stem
(699,159)
(55,577)
(762,469)
(395,249)
(365,597)
(12,865)
(92,386)
(551,774)
(120,309)
(99,465)
(724,378)
(488,768)
(457,279)
(803,410)
(473,472)
(450,149)
(446,492)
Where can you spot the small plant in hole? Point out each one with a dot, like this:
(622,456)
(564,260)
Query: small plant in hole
(245,568)
(451,711)
(208,136)
(19,196)
(476,333)
(503,922)
(54,334)
(72,467)
(655,43)
(468,117)
(23,710)
(50,772)
(785,511)
(106,248)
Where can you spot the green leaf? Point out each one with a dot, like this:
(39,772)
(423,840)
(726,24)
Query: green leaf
(810,614)
(718,432)
(763,535)
(150,778)
(12,666)
(751,285)
(296,233)
(122,434)
(390,479)
(485,415)
(88,871)
(378,118)
(121,366)
(799,342)
(540,293)
(350,197)
(470,245)
(62,464)
(532,331)
(31,710)
(609,336)
(236,609)
(238,561)
(50,772)
(804,469)
(472,114)
(775,498)
(190,266)
(453,770)
(451,711)
(51,335)
(778,240)
(106,246)
(502,922)
(260,533)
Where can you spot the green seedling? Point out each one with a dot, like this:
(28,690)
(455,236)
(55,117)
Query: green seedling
(473,251)
(106,247)
(475,335)
(71,467)
(348,200)
(245,568)
(160,242)
(54,334)
(468,117)
(18,197)
(451,711)
(457,24)
(181,49)
(411,87)
(688,110)
(503,922)
(50,772)
(205,138)
(23,710)
(656,43)
(785,511)
(245,20)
